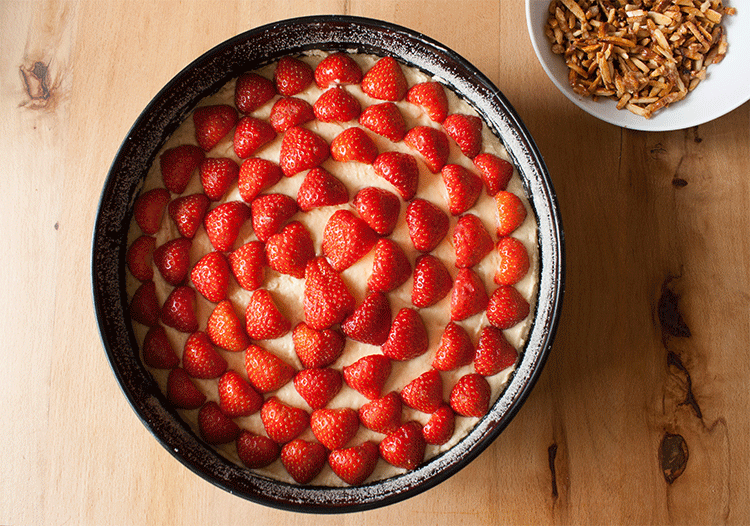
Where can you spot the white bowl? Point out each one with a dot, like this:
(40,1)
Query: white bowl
(727,84)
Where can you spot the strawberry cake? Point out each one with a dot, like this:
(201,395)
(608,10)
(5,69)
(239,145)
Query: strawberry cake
(332,269)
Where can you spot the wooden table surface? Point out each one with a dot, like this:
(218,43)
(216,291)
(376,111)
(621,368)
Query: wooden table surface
(641,416)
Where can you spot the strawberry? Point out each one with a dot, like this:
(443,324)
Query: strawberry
(182,392)
(354,145)
(382,415)
(371,321)
(511,212)
(149,208)
(213,123)
(368,375)
(303,459)
(399,169)
(337,105)
(316,349)
(462,186)
(390,267)
(471,241)
(385,80)
(187,213)
(252,91)
(440,427)
(432,281)
(425,392)
(263,320)
(494,171)
(318,386)
(514,261)
(404,447)
(250,135)
(469,296)
(177,165)
(494,352)
(289,251)
(210,275)
(292,76)
(466,131)
(178,310)
(471,395)
(270,212)
(507,307)
(455,349)
(301,149)
(282,422)
(346,239)
(223,224)
(354,464)
(172,260)
(158,351)
(427,224)
(256,451)
(431,96)
(200,359)
(225,328)
(256,175)
(144,306)
(217,175)
(327,300)
(384,119)
(334,428)
(337,68)
(290,111)
(408,336)
(431,143)
(215,427)
(379,208)
(237,397)
(266,371)
(140,257)
(248,263)
(320,188)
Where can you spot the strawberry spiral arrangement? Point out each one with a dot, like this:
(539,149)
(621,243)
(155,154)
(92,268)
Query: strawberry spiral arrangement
(332,269)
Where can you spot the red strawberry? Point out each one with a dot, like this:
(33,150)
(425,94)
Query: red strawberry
(368,375)
(390,267)
(514,261)
(248,263)
(371,321)
(188,212)
(432,281)
(252,91)
(336,105)
(210,275)
(217,175)
(511,212)
(425,392)
(427,224)
(320,188)
(177,165)
(158,351)
(337,68)
(431,96)
(507,307)
(178,310)
(379,208)
(471,395)
(266,371)
(466,131)
(384,119)
(256,451)
(144,306)
(237,397)
(494,352)
(399,169)
(327,300)
(463,188)
(455,349)
(385,80)
(318,386)
(270,212)
(213,123)
(301,149)
(289,251)
(471,241)
(223,224)
(334,428)
(346,239)
(354,145)
(215,427)
(182,392)
(140,257)
(439,428)
(225,328)
(408,336)
(469,296)
(303,460)
(317,349)
(263,320)
(149,208)
(256,175)
(382,415)
(292,76)
(404,447)
(495,172)
(200,359)
(250,135)
(432,144)
(354,464)
(290,111)
(172,260)
(282,422)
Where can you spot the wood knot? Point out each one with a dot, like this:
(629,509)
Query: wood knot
(673,456)
(36,81)
(670,318)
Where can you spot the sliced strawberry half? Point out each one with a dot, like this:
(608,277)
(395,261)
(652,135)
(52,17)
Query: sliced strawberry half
(455,349)
(251,135)
(303,459)
(215,427)
(144,306)
(427,224)
(471,241)
(317,348)
(182,392)
(211,275)
(140,257)
(178,310)
(354,145)
(384,119)
(225,328)
(390,267)
(379,208)
(263,319)
(158,351)
(149,209)
(213,123)
(407,338)
(346,239)
(252,91)
(507,307)
(431,96)
(371,321)
(266,371)
(466,131)
(382,415)
(256,175)
(462,186)
(425,392)
(471,395)
(368,375)
(290,111)
(511,212)
(248,264)
(334,428)
(469,296)
(404,447)
(327,300)
(301,149)
(289,251)
(283,423)
(440,427)
(432,281)
(217,174)
(271,212)
(321,188)
(337,68)
(494,352)
(385,80)
(256,451)
(223,224)
(172,260)
(187,213)
(200,359)
(431,144)
(494,171)
(337,105)
(401,170)
(177,165)
(237,397)
(514,261)
(354,464)
(292,76)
